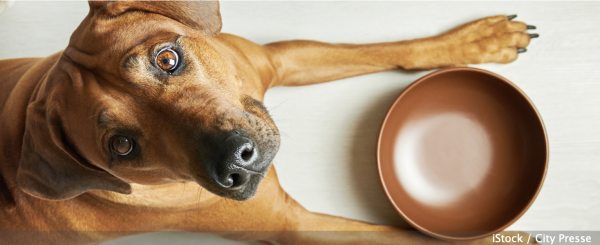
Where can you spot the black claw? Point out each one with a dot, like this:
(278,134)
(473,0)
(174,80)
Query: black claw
(535,35)
(521,50)
(530,27)
(510,17)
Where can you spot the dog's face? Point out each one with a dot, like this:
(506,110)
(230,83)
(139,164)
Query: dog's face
(143,95)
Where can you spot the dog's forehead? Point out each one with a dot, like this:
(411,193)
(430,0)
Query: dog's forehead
(108,38)
(131,63)
(120,53)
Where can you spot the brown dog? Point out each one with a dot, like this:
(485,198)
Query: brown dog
(149,104)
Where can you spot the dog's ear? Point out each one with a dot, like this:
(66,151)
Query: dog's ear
(200,14)
(50,166)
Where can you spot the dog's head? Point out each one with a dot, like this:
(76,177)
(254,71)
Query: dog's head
(143,95)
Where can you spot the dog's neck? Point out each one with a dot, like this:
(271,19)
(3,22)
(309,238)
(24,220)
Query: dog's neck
(174,197)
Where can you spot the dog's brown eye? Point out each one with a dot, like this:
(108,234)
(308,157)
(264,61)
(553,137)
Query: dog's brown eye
(167,60)
(121,145)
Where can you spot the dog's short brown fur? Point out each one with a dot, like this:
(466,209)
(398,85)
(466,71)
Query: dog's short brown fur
(58,114)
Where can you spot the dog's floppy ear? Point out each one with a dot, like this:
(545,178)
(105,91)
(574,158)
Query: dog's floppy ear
(200,14)
(50,166)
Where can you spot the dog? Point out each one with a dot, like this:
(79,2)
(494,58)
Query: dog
(150,104)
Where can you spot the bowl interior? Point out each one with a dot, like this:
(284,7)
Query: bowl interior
(462,153)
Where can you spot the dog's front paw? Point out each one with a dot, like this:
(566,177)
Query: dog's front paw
(495,39)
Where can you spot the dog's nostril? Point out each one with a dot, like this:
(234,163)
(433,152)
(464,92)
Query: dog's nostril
(234,178)
(247,154)
(237,180)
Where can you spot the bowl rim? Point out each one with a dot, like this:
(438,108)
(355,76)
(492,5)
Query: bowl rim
(397,101)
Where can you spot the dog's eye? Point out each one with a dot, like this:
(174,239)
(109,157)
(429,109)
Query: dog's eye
(167,59)
(121,145)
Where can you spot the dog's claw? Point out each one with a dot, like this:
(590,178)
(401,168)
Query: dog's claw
(521,50)
(530,27)
(535,35)
(512,16)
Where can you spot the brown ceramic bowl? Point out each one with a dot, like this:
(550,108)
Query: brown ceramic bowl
(462,153)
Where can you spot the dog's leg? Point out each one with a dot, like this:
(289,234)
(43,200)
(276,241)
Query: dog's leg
(273,217)
(315,228)
(493,39)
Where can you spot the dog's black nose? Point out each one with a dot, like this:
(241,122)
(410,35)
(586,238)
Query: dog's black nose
(236,164)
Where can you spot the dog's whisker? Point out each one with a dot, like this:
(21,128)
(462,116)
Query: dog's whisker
(198,191)
(270,110)
(182,192)
(201,190)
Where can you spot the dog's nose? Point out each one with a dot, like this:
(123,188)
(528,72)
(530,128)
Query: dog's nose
(236,164)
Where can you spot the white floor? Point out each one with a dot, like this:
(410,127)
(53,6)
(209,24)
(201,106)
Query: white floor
(327,158)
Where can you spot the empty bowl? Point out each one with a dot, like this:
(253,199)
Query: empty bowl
(462,153)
